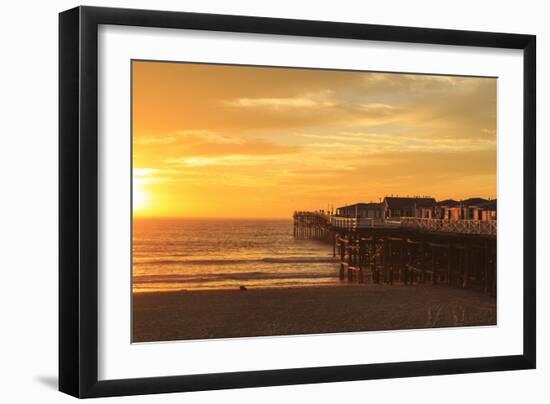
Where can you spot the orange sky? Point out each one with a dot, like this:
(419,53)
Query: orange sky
(233,141)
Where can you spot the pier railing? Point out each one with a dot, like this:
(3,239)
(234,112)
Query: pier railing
(354,223)
(483,227)
(488,227)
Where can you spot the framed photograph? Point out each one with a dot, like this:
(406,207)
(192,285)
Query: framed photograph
(251,201)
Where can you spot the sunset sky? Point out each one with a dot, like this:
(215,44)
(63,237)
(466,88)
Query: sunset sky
(233,141)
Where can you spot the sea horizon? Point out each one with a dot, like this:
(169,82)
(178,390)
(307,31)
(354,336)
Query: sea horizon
(211,218)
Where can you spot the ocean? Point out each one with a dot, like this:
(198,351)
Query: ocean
(193,254)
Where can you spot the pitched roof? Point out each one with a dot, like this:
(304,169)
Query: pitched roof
(474,201)
(372,205)
(448,202)
(489,205)
(395,202)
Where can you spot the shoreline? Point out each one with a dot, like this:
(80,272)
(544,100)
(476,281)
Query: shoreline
(343,284)
(232,313)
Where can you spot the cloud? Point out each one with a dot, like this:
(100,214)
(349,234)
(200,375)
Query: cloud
(153,140)
(316,100)
(364,143)
(252,147)
(391,83)
(208,136)
(378,109)
(204,147)
(230,160)
(142,176)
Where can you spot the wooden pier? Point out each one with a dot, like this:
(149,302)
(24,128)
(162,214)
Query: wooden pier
(312,225)
(458,253)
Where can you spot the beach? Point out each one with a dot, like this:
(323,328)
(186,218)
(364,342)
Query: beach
(229,313)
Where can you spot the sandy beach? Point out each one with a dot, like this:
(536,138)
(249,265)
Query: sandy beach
(184,315)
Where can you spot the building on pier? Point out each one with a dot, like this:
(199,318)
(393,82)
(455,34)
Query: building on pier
(468,209)
(397,207)
(391,208)
(448,209)
(359,210)
(479,209)
(489,210)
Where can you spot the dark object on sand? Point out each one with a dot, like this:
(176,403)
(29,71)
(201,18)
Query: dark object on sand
(243,288)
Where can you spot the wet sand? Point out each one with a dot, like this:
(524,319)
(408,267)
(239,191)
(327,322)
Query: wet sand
(165,316)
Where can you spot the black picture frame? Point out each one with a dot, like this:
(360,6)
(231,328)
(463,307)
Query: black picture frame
(78,201)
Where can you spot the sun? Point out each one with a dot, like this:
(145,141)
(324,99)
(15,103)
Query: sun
(139,198)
